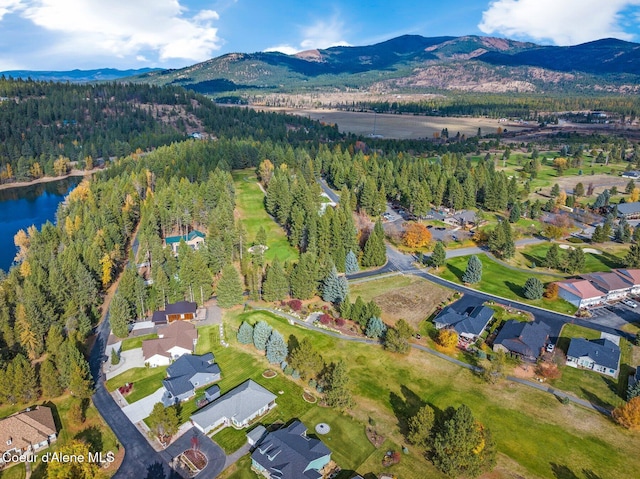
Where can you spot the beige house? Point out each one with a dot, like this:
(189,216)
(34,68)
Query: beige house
(26,431)
(174,340)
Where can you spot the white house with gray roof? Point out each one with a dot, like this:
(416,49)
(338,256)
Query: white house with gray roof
(236,408)
(188,373)
(601,355)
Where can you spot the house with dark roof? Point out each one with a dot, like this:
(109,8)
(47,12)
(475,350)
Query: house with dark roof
(581,293)
(26,431)
(522,339)
(469,324)
(613,285)
(194,238)
(174,340)
(188,373)
(180,311)
(289,453)
(236,408)
(630,211)
(600,355)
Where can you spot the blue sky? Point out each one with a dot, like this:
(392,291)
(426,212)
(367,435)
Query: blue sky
(67,34)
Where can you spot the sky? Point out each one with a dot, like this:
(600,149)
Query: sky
(85,34)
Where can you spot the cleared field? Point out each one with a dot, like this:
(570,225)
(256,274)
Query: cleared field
(250,206)
(402,127)
(402,297)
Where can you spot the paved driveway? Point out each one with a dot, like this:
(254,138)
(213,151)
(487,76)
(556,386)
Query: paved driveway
(215,454)
(615,315)
(137,411)
(128,360)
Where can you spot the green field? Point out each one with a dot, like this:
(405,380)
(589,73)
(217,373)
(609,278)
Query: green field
(134,343)
(594,387)
(502,281)
(535,434)
(145,381)
(250,206)
(611,258)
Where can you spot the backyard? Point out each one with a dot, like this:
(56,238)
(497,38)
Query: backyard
(250,207)
(499,280)
(389,388)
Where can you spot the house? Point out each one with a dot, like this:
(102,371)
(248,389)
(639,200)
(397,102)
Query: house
(631,276)
(174,340)
(601,355)
(615,286)
(469,324)
(289,453)
(523,339)
(25,432)
(194,238)
(580,292)
(236,408)
(630,211)
(180,311)
(186,374)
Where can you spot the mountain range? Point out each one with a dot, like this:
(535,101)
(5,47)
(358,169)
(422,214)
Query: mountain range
(76,76)
(415,63)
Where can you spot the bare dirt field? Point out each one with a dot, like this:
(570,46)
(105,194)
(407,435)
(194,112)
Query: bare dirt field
(402,297)
(400,127)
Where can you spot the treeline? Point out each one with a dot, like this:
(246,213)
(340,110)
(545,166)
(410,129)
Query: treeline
(42,122)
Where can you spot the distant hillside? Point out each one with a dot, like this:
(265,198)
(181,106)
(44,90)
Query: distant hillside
(415,63)
(76,76)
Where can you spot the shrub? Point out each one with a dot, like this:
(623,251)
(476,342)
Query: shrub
(288,370)
(325,319)
(340,322)
(296,305)
(295,374)
(312,383)
(283,365)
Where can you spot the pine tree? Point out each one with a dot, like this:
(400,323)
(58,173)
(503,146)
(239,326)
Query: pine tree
(509,246)
(598,235)
(345,308)
(303,277)
(335,288)
(439,255)
(261,333)
(49,379)
(397,338)
(575,260)
(119,315)
(632,259)
(245,333)
(515,213)
(276,283)
(533,288)
(338,394)
(359,312)
(375,328)
(375,253)
(421,426)
(473,273)
(351,263)
(229,289)
(261,236)
(553,259)
(306,359)
(276,348)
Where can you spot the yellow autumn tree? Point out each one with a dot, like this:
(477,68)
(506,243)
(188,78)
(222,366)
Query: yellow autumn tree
(107,267)
(628,415)
(635,194)
(447,338)
(265,170)
(561,200)
(27,337)
(36,170)
(74,469)
(61,166)
(22,242)
(416,235)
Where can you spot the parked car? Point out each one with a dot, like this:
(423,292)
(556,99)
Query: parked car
(551,347)
(630,303)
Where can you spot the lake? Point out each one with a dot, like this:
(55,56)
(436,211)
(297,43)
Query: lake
(24,206)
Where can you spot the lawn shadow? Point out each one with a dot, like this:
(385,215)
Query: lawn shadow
(609,260)
(623,380)
(589,474)
(92,436)
(292,343)
(456,271)
(595,400)
(538,260)
(405,407)
(56,415)
(515,288)
(561,471)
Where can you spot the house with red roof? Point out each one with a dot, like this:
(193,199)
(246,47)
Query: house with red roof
(581,293)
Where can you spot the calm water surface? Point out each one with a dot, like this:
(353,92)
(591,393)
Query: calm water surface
(28,205)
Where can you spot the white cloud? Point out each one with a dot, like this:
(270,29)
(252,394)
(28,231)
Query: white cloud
(563,22)
(125,28)
(9,6)
(323,35)
(286,49)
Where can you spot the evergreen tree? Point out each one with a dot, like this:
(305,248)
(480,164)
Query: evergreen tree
(421,427)
(80,384)
(49,379)
(439,255)
(533,288)
(245,333)
(632,259)
(515,213)
(338,394)
(553,259)
(630,187)
(164,421)
(579,190)
(345,308)
(636,234)
(462,446)
(24,379)
(261,236)
(473,273)
(555,190)
(359,312)
(305,359)
(351,263)
(276,283)
(375,253)
(375,328)
(229,290)
(575,260)
(509,246)
(261,334)
(623,232)
(304,277)
(119,315)
(598,235)
(276,348)
(335,288)
(397,338)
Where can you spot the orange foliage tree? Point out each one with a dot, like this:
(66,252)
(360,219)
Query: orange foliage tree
(628,415)
(447,338)
(416,235)
(552,291)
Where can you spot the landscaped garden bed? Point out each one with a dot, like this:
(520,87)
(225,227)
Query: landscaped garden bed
(310,398)
(197,459)
(269,373)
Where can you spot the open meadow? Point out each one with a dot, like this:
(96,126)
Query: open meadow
(536,435)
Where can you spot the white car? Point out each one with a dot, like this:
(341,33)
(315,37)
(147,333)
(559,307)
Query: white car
(630,303)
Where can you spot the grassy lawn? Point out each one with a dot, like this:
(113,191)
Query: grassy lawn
(535,434)
(590,385)
(231,439)
(502,281)
(18,471)
(611,257)
(240,470)
(250,206)
(133,343)
(145,381)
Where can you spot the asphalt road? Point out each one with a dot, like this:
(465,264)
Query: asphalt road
(330,193)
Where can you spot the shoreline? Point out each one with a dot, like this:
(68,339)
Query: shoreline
(47,179)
